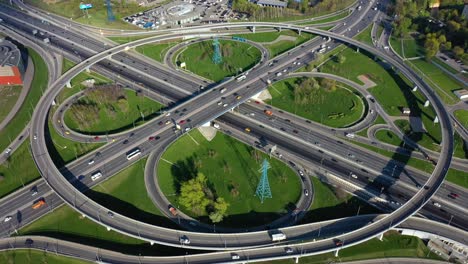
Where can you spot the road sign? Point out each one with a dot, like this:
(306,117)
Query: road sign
(85,6)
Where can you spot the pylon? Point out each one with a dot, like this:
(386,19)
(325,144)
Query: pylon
(217,58)
(110,14)
(263,188)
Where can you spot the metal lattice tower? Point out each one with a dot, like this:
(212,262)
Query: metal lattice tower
(217,58)
(110,14)
(263,188)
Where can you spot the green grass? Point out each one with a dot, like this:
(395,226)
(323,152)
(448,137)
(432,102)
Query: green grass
(240,173)
(331,203)
(282,46)
(113,116)
(460,147)
(392,245)
(237,57)
(378,120)
(22,118)
(458,177)
(8,96)
(25,256)
(122,40)
(462,117)
(442,83)
(126,194)
(430,139)
(326,106)
(261,37)
(18,170)
(444,65)
(156,51)
(407,47)
(389,137)
(396,45)
(365,36)
(97,14)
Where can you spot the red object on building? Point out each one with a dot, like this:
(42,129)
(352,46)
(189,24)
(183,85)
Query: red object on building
(10,75)
(12,66)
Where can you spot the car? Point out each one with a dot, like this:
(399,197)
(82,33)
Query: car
(288,250)
(125,141)
(453,195)
(35,136)
(351,155)
(29,241)
(282,129)
(192,223)
(354,175)
(306,192)
(220,103)
(437,204)
(338,242)
(168,122)
(67,132)
(247,130)
(110,214)
(7,219)
(34,191)
(182,122)
(238,97)
(8,150)
(160,123)
(151,138)
(91,161)
(257,102)
(187,129)
(168,114)
(252,114)
(224,105)
(295,131)
(235,256)
(301,173)
(184,240)
(96,138)
(317,143)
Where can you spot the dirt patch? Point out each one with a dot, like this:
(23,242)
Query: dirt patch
(368,83)
(208,132)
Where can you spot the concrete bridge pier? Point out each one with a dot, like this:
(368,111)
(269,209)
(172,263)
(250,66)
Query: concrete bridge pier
(252,29)
(336,252)
(296,260)
(68,84)
(380,237)
(279,29)
(87,69)
(299,31)
(108,228)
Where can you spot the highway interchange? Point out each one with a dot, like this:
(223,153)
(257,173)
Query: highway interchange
(112,154)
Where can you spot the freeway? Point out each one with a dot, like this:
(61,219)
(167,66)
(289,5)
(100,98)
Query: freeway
(66,190)
(299,250)
(45,162)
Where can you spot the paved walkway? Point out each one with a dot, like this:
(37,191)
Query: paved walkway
(280,38)
(28,77)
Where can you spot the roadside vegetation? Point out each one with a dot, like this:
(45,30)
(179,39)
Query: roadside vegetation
(378,120)
(318,99)
(237,57)
(23,116)
(156,51)
(462,117)
(9,94)
(26,256)
(230,171)
(392,245)
(108,109)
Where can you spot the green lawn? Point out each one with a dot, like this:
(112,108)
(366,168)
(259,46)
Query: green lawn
(378,120)
(365,36)
(232,171)
(21,119)
(114,112)
(237,57)
(331,203)
(25,256)
(126,194)
(282,46)
(392,245)
(97,15)
(460,147)
(389,137)
(458,177)
(8,96)
(18,170)
(407,47)
(126,39)
(396,45)
(443,84)
(339,108)
(429,139)
(462,117)
(326,20)
(156,51)
(262,36)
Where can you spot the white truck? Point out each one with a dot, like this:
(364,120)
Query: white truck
(278,236)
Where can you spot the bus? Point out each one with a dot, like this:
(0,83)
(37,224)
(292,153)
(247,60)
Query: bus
(132,154)
(241,78)
(39,203)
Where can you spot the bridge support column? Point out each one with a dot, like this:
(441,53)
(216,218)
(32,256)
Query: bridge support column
(357,50)
(68,85)
(87,69)
(336,252)
(296,260)
(152,243)
(108,228)
(253,29)
(279,29)
(299,31)
(380,237)
(426,104)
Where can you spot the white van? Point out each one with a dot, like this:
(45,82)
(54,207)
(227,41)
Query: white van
(96,176)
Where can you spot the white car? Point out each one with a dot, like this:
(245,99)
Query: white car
(8,218)
(8,151)
(220,103)
(235,256)
(90,162)
(35,136)
(437,205)
(354,175)
(224,105)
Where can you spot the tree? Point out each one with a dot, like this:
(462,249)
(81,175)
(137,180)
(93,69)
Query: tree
(431,47)
(220,208)
(458,51)
(192,194)
(341,59)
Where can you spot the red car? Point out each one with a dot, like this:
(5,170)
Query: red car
(453,195)
(257,102)
(151,138)
(96,138)
(182,122)
(338,243)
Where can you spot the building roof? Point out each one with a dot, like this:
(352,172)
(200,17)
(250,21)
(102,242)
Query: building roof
(10,55)
(461,93)
(272,3)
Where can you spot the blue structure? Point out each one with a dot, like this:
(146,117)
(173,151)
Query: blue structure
(110,14)
(217,58)
(263,188)
(238,39)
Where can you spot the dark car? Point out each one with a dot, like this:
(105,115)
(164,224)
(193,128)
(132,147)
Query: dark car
(125,141)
